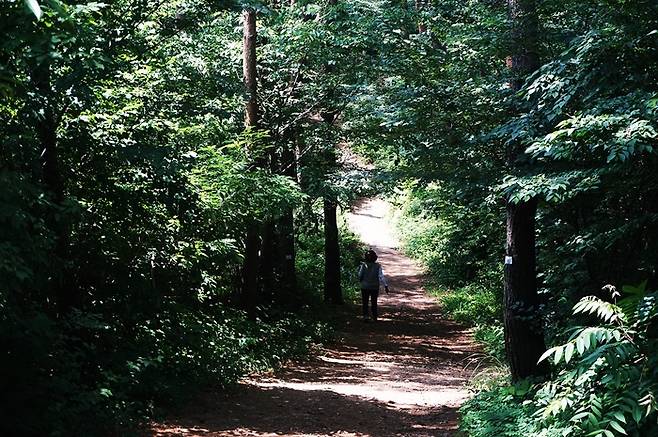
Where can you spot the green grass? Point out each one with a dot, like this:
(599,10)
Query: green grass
(478,306)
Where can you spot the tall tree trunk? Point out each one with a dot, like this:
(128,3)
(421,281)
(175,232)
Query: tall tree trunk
(61,290)
(269,263)
(420,6)
(249,67)
(268,252)
(250,268)
(524,335)
(286,232)
(332,290)
(250,265)
(287,256)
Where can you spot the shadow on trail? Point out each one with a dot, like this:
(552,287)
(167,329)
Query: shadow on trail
(285,411)
(404,375)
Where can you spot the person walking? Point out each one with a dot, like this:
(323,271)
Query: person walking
(371,275)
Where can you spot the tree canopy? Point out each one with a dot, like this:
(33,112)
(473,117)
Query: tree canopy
(149,239)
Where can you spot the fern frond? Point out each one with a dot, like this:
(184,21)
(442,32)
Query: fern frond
(606,311)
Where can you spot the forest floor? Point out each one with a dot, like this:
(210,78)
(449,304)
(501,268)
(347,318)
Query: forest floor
(403,375)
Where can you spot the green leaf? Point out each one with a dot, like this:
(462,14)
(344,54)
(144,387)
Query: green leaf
(617,427)
(546,354)
(580,416)
(568,352)
(619,416)
(558,354)
(35,8)
(587,340)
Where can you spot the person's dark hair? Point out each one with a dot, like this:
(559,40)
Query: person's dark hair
(370,256)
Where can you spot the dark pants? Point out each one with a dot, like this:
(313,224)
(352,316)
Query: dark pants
(372,295)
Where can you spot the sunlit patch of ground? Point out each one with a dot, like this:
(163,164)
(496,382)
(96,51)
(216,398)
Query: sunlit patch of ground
(401,376)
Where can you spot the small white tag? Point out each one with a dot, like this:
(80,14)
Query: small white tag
(508,260)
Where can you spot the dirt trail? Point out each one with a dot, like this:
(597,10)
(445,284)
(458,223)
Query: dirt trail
(401,376)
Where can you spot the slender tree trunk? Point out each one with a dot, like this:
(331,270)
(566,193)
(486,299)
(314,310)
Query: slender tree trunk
(420,6)
(249,296)
(285,225)
(286,232)
(51,172)
(62,291)
(524,335)
(332,289)
(250,268)
(267,264)
(249,67)
(287,255)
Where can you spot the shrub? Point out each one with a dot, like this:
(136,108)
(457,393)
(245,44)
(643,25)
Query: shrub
(609,375)
(492,339)
(500,412)
(457,242)
(310,263)
(473,304)
(605,386)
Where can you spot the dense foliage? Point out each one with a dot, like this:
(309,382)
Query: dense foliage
(130,186)
(588,123)
(606,384)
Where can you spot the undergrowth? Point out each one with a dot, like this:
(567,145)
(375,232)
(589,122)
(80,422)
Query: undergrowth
(464,280)
(310,263)
(93,372)
(604,379)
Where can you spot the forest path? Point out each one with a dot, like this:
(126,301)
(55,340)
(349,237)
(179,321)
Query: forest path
(401,376)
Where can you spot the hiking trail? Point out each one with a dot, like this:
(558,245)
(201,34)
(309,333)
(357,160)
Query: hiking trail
(401,376)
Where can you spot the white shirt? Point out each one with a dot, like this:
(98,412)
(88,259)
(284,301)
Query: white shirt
(380,274)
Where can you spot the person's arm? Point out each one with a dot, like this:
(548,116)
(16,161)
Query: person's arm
(360,274)
(382,279)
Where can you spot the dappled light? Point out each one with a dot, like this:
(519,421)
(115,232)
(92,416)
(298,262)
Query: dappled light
(403,375)
(376,218)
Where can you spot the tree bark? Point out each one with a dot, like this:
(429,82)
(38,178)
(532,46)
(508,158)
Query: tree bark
(524,34)
(524,335)
(62,291)
(249,296)
(287,256)
(268,251)
(286,234)
(250,267)
(420,6)
(249,67)
(332,289)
